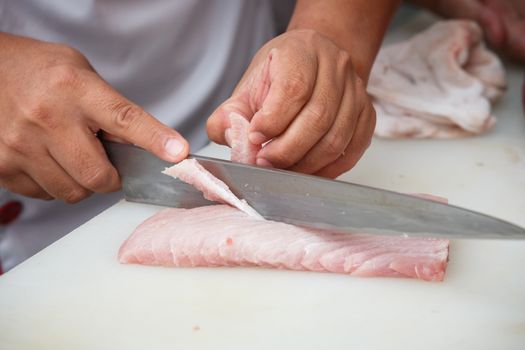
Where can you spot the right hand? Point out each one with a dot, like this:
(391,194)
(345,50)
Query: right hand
(52,103)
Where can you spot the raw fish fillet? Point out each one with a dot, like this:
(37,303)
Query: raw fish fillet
(213,189)
(243,151)
(438,84)
(219,235)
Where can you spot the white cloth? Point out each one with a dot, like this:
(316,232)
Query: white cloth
(177,59)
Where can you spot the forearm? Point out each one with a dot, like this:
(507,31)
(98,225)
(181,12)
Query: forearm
(358,26)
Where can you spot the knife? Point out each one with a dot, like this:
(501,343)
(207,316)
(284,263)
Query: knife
(305,200)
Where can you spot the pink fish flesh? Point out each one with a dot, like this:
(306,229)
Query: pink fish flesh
(219,235)
(213,189)
(438,84)
(243,151)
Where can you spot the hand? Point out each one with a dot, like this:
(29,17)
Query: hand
(502,20)
(302,94)
(511,14)
(52,103)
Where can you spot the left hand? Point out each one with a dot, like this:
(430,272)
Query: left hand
(503,21)
(301,92)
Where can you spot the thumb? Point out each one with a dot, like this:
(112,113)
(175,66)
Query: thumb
(124,120)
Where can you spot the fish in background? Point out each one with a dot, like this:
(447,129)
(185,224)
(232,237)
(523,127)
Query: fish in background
(441,83)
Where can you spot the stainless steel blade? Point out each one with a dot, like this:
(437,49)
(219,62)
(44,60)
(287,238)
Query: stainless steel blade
(305,200)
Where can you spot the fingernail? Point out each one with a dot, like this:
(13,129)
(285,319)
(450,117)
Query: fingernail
(174,147)
(257,138)
(263,162)
(228,136)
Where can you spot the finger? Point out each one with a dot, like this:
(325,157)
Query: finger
(219,121)
(508,17)
(48,174)
(333,144)
(108,137)
(515,45)
(108,110)
(358,144)
(312,122)
(247,98)
(492,26)
(14,179)
(82,156)
(257,93)
(292,80)
(474,10)
(24,185)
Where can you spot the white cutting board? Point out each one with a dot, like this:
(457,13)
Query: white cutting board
(74,294)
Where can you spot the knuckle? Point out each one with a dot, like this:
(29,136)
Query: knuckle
(344,57)
(282,158)
(40,115)
(71,52)
(334,145)
(75,195)
(126,115)
(307,165)
(344,64)
(97,178)
(296,87)
(320,119)
(156,139)
(38,193)
(63,77)
(16,141)
(360,85)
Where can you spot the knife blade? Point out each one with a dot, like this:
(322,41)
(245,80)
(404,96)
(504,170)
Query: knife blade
(305,200)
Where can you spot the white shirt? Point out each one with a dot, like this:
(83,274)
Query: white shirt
(177,59)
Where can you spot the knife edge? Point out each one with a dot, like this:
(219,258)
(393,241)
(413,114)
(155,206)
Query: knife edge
(306,200)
